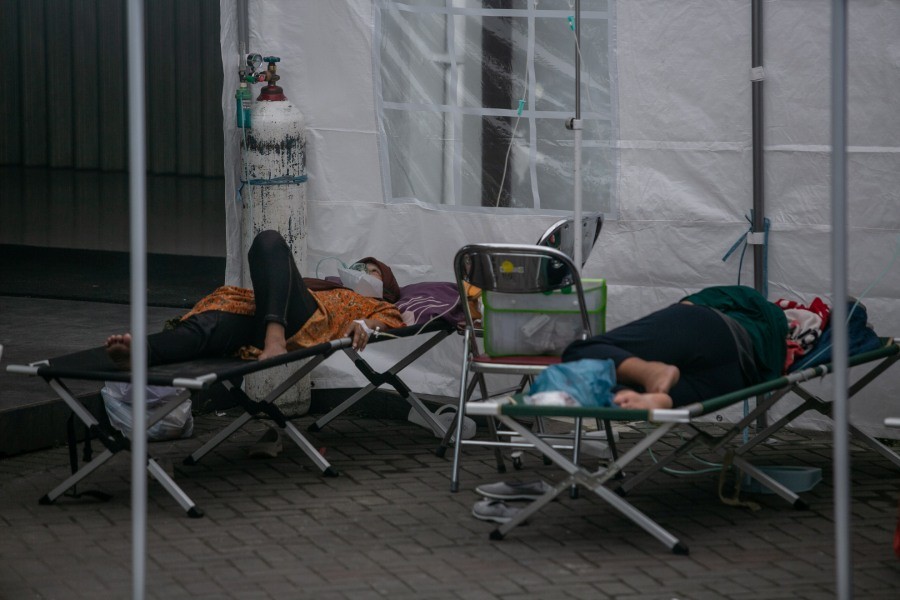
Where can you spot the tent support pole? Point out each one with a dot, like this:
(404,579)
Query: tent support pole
(759,204)
(840,412)
(137,167)
(576,125)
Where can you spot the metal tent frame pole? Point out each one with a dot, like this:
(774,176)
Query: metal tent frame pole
(576,127)
(841,460)
(759,198)
(137,166)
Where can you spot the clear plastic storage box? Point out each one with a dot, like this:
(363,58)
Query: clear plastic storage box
(540,324)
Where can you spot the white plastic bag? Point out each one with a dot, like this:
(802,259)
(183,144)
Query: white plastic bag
(179,423)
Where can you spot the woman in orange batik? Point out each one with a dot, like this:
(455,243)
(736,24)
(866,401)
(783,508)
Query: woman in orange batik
(282,312)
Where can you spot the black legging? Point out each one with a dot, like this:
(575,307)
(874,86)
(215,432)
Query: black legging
(693,338)
(281,297)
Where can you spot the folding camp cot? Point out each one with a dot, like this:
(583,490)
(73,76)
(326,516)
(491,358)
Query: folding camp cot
(518,275)
(508,409)
(204,374)
(440,329)
(560,236)
(227,374)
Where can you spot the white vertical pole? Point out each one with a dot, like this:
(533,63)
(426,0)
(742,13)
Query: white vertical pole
(842,541)
(137,166)
(576,126)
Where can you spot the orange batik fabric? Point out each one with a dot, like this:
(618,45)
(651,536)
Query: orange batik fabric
(228,298)
(337,309)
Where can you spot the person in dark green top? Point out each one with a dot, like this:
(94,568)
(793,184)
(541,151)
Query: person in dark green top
(715,341)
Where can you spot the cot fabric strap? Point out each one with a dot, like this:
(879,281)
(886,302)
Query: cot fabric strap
(734,500)
(73,460)
(73,443)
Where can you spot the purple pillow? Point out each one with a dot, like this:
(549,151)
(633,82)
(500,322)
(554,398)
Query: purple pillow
(425,301)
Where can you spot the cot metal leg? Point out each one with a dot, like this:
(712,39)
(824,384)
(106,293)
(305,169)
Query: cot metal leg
(498,454)
(83,414)
(813,402)
(492,426)
(611,439)
(437,428)
(158,473)
(792,498)
(153,467)
(340,408)
(464,394)
(314,455)
(267,405)
(534,506)
(810,402)
(377,379)
(76,477)
(634,480)
(875,445)
(640,519)
(445,442)
(576,452)
(594,482)
(217,439)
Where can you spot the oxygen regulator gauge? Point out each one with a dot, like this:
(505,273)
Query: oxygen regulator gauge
(254,61)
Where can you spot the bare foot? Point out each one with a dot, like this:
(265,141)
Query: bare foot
(118,348)
(634,400)
(660,377)
(272,350)
(275,344)
(653,376)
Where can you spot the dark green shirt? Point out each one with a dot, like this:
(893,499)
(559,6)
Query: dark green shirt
(764,322)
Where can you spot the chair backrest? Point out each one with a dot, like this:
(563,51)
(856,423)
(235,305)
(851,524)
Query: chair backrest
(561,235)
(521,269)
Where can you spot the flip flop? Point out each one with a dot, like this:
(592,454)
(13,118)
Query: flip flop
(268,446)
(445,415)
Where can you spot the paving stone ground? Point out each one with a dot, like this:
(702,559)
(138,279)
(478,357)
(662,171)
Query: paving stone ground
(388,527)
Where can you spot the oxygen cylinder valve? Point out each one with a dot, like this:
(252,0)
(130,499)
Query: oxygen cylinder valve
(271,91)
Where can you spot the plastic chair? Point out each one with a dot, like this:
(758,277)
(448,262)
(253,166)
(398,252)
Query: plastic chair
(511,269)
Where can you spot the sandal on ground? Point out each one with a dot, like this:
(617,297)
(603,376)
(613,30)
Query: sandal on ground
(514,490)
(268,446)
(445,415)
(493,510)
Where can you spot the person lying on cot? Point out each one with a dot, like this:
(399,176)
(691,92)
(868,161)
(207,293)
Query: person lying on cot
(283,312)
(716,341)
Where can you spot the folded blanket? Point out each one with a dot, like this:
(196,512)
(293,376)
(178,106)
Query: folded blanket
(860,338)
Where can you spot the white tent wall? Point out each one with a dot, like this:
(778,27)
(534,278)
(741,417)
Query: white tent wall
(684,160)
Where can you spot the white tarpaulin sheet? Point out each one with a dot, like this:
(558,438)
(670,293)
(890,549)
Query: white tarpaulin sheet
(682,174)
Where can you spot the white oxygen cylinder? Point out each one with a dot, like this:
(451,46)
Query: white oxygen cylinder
(274,197)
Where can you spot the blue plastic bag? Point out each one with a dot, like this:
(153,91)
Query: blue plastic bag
(589,381)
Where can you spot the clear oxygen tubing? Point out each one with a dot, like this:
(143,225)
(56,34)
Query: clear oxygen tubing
(137,159)
(512,137)
(342,263)
(574,24)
